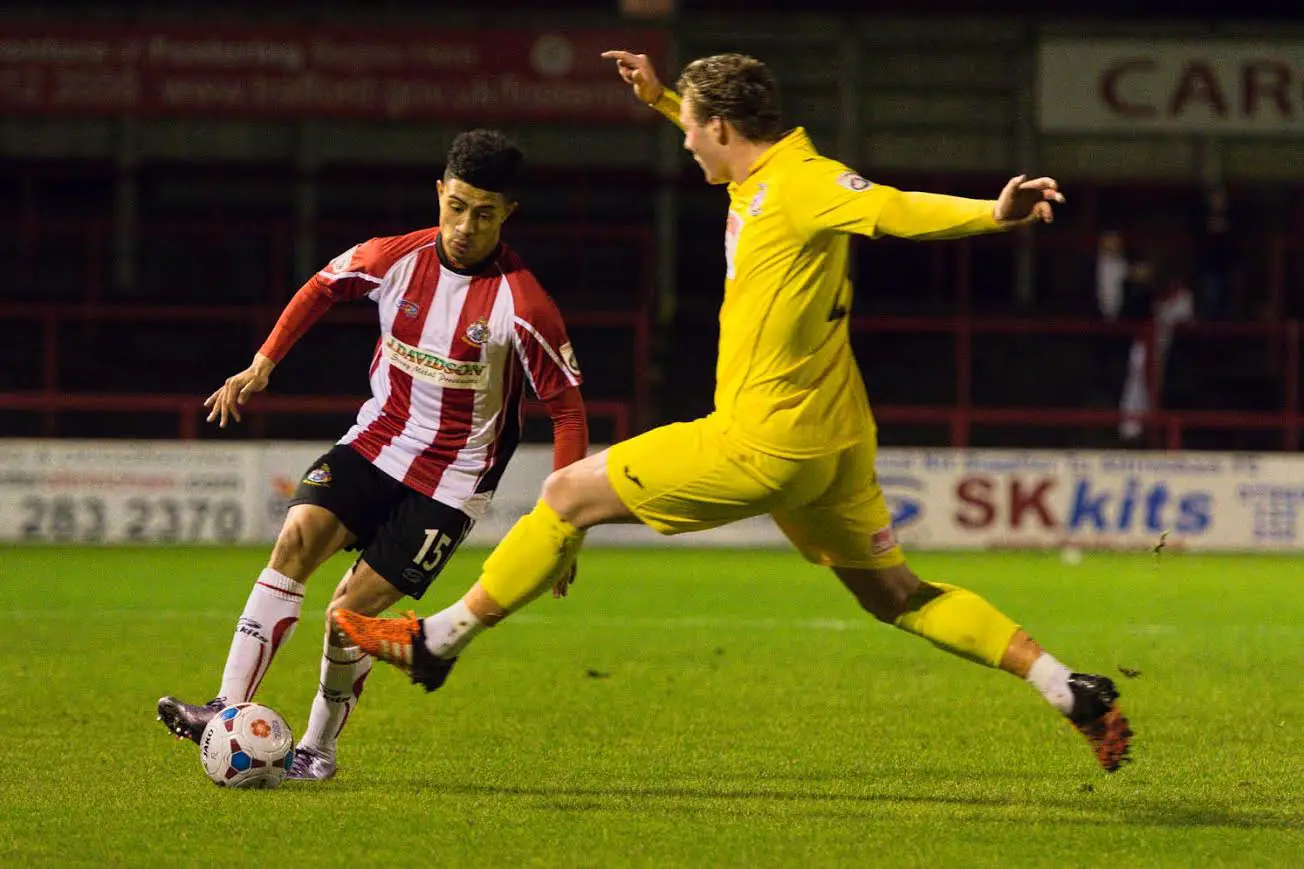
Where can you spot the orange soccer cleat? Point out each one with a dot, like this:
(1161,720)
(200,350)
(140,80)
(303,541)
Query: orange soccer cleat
(400,642)
(1097,716)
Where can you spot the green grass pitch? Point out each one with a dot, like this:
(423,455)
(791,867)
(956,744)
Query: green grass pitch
(681,708)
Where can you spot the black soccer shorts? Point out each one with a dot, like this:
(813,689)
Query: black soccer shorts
(403,535)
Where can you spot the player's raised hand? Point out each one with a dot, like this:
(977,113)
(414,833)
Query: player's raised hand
(1025,201)
(226,401)
(638,72)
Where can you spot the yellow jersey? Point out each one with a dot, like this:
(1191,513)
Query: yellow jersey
(787,382)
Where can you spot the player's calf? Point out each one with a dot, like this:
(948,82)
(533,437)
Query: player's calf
(887,593)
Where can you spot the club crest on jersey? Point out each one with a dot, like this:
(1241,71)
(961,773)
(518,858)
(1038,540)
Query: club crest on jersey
(408,308)
(853,182)
(478,332)
(568,359)
(319,476)
(754,208)
(882,541)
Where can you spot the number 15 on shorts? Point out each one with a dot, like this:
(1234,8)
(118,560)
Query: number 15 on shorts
(435,546)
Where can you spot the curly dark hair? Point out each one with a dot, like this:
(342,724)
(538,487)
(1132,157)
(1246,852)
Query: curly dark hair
(486,159)
(738,89)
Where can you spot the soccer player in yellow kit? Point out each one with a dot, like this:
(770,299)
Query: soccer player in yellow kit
(792,434)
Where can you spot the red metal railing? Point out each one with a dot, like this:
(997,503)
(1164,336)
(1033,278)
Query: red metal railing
(1166,425)
(1272,262)
(190,409)
(51,400)
(1282,337)
(85,240)
(952,269)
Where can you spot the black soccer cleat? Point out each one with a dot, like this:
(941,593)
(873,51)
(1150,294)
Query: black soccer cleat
(428,671)
(1097,716)
(186,721)
(401,642)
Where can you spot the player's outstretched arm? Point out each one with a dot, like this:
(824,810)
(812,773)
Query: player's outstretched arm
(930,216)
(840,200)
(313,299)
(926,216)
(638,72)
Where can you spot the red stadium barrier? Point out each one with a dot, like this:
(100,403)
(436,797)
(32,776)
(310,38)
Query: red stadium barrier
(1167,426)
(259,318)
(190,409)
(84,240)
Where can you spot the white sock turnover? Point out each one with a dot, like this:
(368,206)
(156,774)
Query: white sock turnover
(1051,678)
(450,630)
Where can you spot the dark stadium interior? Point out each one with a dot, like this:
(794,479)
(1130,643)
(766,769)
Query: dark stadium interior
(198,229)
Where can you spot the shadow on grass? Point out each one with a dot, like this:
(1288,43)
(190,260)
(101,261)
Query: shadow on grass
(1091,810)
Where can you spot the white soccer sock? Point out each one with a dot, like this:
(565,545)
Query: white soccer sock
(1051,678)
(450,630)
(268,620)
(343,673)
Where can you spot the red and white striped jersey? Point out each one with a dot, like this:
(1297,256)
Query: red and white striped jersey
(448,374)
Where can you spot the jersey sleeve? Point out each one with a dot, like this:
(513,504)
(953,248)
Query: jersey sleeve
(360,270)
(355,273)
(570,428)
(834,198)
(541,341)
(668,104)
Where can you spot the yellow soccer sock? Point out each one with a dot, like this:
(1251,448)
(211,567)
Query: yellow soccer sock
(531,556)
(962,623)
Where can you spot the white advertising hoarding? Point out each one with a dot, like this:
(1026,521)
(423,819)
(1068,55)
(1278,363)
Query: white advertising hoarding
(1170,86)
(203,492)
(973,499)
(128,491)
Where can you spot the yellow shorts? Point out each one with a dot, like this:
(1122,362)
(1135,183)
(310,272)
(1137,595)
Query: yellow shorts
(691,477)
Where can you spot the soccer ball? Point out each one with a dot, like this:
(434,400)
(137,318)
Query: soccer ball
(247,746)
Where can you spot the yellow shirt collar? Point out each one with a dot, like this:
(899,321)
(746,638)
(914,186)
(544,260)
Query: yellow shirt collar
(795,142)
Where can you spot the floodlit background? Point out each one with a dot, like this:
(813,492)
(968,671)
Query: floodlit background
(1125,378)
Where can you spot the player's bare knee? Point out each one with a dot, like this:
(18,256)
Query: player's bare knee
(898,587)
(884,593)
(582,495)
(289,554)
(563,493)
(881,607)
(305,541)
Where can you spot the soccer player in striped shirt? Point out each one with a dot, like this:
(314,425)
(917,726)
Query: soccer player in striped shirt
(464,327)
(792,434)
